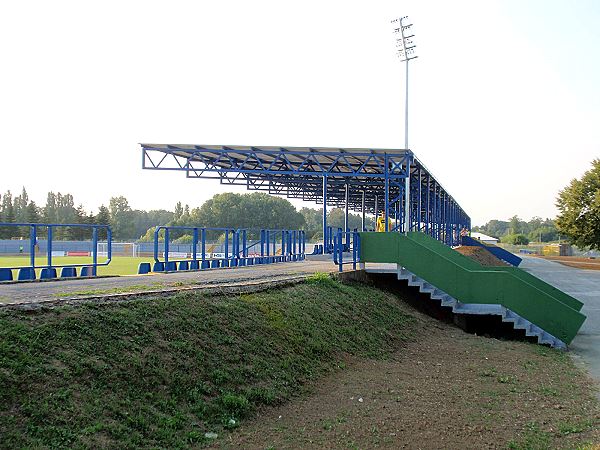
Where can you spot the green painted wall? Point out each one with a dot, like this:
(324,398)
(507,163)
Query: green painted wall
(470,282)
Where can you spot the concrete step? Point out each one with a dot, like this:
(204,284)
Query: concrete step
(508,316)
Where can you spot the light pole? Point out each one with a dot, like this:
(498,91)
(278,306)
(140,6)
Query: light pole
(406,52)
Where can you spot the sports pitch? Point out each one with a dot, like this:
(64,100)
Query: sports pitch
(119,265)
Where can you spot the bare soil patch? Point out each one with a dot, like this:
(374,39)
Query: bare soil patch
(481,255)
(574,261)
(447,389)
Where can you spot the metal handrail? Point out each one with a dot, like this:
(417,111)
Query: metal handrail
(352,245)
(293,243)
(33,233)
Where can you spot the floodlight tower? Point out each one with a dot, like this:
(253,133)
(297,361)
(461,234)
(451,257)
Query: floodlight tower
(406,52)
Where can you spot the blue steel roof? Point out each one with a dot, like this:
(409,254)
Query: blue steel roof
(297,172)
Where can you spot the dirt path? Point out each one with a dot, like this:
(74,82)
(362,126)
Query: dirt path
(573,261)
(53,291)
(446,390)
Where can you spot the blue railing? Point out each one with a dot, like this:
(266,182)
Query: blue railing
(352,246)
(275,246)
(498,252)
(48,270)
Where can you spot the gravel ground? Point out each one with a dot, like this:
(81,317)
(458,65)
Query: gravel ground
(446,389)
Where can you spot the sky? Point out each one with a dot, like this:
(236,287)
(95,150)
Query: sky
(504,95)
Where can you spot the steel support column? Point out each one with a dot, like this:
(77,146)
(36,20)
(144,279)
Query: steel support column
(362,210)
(407,195)
(427,207)
(346,206)
(346,202)
(376,211)
(325,249)
(386,197)
(420,204)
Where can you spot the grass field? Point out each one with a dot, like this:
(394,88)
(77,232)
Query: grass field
(120,265)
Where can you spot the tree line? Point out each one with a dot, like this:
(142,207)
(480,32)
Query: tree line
(226,210)
(521,232)
(59,208)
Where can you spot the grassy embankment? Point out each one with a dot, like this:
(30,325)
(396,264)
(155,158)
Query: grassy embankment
(160,373)
(163,372)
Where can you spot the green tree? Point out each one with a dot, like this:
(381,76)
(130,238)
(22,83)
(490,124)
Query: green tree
(178,211)
(256,210)
(514,225)
(102,218)
(121,218)
(50,214)
(515,239)
(20,206)
(8,215)
(80,233)
(33,213)
(313,222)
(543,234)
(579,209)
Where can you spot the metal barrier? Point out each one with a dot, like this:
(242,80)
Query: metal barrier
(49,269)
(275,246)
(352,245)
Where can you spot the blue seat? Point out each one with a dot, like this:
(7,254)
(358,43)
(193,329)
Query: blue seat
(143,268)
(183,265)
(233,262)
(194,265)
(48,273)
(242,262)
(205,264)
(26,273)
(87,271)
(171,266)
(224,263)
(214,264)
(158,267)
(250,262)
(5,274)
(68,272)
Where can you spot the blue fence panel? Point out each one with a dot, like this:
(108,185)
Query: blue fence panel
(351,245)
(34,247)
(235,247)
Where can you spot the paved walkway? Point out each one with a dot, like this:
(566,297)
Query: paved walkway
(584,285)
(51,291)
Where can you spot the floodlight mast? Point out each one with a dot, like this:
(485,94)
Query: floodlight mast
(406,52)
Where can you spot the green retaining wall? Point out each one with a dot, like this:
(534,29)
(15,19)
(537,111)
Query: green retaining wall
(469,282)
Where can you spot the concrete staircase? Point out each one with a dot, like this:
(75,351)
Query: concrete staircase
(508,316)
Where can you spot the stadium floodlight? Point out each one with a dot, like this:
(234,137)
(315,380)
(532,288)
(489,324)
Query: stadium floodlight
(406,52)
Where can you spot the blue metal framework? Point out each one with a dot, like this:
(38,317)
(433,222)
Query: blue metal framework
(352,246)
(236,245)
(387,182)
(49,269)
